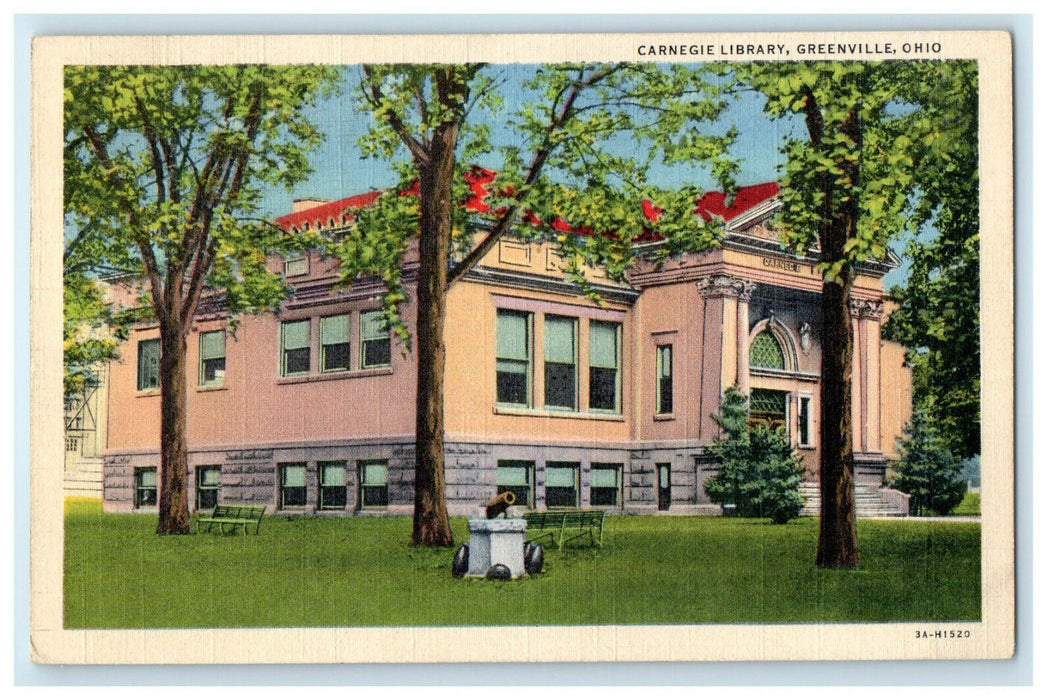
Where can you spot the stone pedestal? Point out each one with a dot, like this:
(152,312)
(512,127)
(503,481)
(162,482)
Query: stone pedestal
(498,541)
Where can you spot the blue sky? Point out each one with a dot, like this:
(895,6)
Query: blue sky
(341,171)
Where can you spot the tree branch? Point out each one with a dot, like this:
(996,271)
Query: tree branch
(417,150)
(146,252)
(155,153)
(504,222)
(813,118)
(228,189)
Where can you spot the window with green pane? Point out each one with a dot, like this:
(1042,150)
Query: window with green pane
(604,360)
(296,264)
(664,379)
(561,484)
(561,366)
(373,484)
(805,421)
(296,347)
(332,486)
(766,353)
(293,485)
(517,475)
(605,484)
(149,364)
(375,346)
(208,487)
(145,487)
(514,357)
(212,358)
(334,344)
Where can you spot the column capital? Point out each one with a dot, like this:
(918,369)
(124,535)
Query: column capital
(870,309)
(723,285)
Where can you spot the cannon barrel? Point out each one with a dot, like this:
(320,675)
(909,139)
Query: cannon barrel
(497,505)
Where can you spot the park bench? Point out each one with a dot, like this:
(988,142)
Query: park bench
(562,526)
(234,516)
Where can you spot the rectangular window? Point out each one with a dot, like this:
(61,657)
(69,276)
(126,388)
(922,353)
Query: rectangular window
(604,363)
(296,264)
(296,347)
(605,484)
(293,481)
(561,366)
(373,480)
(561,484)
(145,487)
(664,379)
(517,475)
(374,340)
(514,357)
(212,358)
(334,344)
(149,364)
(208,492)
(332,489)
(805,421)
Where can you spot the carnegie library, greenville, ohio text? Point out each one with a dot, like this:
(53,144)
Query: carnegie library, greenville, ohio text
(711,50)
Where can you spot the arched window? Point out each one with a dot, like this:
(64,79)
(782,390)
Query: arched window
(765,352)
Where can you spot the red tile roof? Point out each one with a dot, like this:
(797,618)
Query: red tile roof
(330,214)
(710,205)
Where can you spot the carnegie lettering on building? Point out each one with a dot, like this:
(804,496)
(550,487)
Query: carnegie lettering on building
(564,402)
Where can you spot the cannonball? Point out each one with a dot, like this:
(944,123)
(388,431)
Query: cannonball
(534,561)
(460,566)
(499,572)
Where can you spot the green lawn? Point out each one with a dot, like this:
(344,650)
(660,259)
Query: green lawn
(318,571)
(971,505)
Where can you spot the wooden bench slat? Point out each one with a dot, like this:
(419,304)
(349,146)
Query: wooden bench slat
(555,525)
(226,514)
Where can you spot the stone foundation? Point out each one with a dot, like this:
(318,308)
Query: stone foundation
(251,475)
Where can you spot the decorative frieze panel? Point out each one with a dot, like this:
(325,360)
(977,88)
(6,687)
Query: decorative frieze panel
(866,308)
(722,285)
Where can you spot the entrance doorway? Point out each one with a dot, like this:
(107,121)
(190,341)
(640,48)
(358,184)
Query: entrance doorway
(663,478)
(768,407)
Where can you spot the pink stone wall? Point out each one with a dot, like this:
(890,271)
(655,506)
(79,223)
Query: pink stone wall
(255,405)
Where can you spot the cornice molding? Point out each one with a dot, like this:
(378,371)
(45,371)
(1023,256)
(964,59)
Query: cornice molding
(543,283)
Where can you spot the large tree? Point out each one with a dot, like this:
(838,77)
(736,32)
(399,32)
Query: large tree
(562,181)
(163,175)
(848,186)
(938,305)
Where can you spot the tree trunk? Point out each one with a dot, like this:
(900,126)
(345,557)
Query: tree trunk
(173,513)
(836,547)
(431,525)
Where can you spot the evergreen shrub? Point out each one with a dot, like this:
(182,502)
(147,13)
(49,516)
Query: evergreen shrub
(926,469)
(759,472)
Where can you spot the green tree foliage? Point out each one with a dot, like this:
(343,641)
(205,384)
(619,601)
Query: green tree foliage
(566,167)
(758,471)
(937,318)
(926,469)
(90,334)
(162,179)
(847,188)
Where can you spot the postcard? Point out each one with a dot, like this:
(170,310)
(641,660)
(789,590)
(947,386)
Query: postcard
(510,348)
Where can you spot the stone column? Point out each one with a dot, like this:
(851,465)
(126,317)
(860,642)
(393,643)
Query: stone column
(743,338)
(867,319)
(734,293)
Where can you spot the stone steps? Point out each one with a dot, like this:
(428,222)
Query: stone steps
(83,479)
(869,503)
